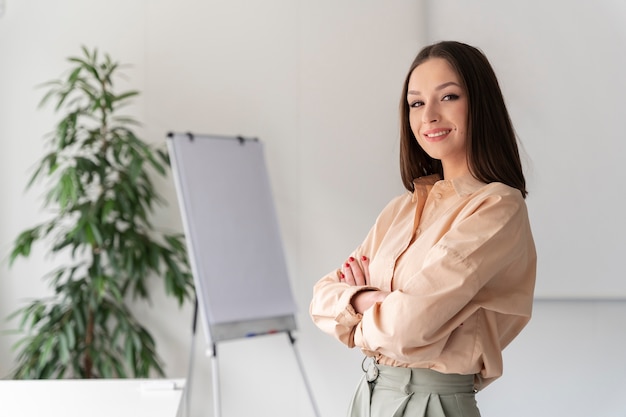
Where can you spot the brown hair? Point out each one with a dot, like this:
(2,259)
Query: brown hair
(492,151)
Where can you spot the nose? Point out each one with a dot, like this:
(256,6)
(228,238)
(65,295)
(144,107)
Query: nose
(430,113)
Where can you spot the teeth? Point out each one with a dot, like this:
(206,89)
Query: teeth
(434,135)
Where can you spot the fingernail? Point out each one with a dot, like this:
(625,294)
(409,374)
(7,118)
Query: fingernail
(342,275)
(364,258)
(351,259)
(347,265)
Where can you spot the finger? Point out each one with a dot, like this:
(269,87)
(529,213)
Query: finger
(348,275)
(365,262)
(359,278)
(340,276)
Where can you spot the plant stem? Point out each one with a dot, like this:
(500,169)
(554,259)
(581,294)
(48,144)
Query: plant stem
(104,119)
(88,363)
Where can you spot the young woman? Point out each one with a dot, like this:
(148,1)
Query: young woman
(444,280)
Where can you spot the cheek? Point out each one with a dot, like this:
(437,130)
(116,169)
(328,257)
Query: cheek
(461,117)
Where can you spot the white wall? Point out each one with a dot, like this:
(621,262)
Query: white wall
(569,361)
(319,83)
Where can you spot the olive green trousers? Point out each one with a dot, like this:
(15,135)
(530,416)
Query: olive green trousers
(410,392)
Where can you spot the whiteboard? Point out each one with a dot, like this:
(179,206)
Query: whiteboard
(232,235)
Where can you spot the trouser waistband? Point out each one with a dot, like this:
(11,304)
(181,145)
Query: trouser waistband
(423,380)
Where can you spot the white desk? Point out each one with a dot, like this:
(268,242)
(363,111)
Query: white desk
(91,397)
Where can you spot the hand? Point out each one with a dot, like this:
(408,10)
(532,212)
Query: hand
(355,274)
(363,300)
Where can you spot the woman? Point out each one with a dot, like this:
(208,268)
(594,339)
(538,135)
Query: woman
(444,280)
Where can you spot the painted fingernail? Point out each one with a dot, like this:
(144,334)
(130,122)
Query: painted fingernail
(347,265)
(364,258)
(351,259)
(343,276)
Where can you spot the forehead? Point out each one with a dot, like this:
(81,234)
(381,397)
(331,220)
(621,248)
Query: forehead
(432,73)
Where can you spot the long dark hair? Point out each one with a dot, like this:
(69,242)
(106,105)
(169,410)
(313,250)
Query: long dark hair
(492,150)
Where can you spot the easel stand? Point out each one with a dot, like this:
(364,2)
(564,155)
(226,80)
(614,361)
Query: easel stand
(217,411)
(236,255)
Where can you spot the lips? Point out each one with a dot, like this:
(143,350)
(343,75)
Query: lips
(435,135)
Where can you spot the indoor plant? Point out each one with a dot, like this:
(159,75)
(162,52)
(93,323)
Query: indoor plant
(97,177)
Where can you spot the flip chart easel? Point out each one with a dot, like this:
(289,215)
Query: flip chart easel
(234,243)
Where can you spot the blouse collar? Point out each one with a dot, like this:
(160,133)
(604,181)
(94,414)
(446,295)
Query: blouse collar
(463,185)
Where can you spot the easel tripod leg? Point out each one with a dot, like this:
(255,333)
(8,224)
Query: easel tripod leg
(304,378)
(192,355)
(217,409)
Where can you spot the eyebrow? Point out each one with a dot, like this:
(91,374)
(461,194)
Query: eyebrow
(438,88)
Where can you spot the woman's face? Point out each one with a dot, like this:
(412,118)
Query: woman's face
(438,114)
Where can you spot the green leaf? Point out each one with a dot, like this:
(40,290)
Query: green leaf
(46,352)
(94,237)
(129,351)
(79,319)
(107,209)
(126,95)
(64,349)
(154,251)
(69,335)
(23,243)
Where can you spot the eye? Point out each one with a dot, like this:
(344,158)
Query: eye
(450,97)
(416,103)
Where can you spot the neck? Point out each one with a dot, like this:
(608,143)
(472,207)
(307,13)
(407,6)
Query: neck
(456,171)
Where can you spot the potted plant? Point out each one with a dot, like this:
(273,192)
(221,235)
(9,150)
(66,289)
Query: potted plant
(97,174)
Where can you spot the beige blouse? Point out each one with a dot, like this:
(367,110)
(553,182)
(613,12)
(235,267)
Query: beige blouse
(459,259)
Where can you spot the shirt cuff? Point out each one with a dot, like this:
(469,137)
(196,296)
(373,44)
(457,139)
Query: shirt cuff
(346,315)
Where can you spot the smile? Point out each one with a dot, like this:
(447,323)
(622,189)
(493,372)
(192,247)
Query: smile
(437,134)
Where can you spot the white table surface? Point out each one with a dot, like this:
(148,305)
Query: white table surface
(91,397)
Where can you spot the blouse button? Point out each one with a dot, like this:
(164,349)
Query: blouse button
(437,195)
